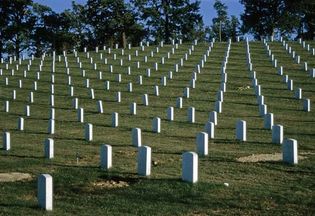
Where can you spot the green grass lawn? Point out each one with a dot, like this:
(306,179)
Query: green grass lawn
(272,188)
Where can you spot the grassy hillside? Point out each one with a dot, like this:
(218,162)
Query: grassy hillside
(270,187)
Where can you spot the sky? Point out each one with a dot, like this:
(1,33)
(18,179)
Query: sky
(206,7)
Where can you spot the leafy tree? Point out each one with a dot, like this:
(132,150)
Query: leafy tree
(266,17)
(166,19)
(220,26)
(234,28)
(3,25)
(19,25)
(41,38)
(110,20)
(302,17)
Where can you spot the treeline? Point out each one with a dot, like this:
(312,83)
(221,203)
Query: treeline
(28,27)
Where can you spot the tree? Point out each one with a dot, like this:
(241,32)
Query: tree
(3,25)
(266,17)
(19,25)
(302,17)
(234,28)
(166,19)
(221,23)
(110,20)
(41,37)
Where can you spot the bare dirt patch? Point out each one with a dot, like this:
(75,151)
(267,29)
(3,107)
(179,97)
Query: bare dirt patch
(254,158)
(110,184)
(15,176)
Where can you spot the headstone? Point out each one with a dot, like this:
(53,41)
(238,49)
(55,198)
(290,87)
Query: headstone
(190,167)
(170,113)
(220,96)
(92,95)
(52,113)
(179,102)
(45,192)
(223,87)
(107,85)
(202,143)
(268,121)
(144,161)
(262,110)
(49,148)
(241,130)
(209,128)
(80,115)
(156,125)
(21,124)
(14,94)
(6,106)
(290,151)
(193,83)
(280,71)
(51,126)
(290,85)
(163,81)
(129,87)
(261,100)
(75,103)
(100,106)
(133,108)
(145,100)
(88,132)
(307,105)
(6,141)
(298,94)
(305,66)
(191,114)
(258,90)
(277,134)
(52,100)
(106,156)
(140,80)
(213,117)
(115,119)
(186,92)
(27,110)
(218,106)
(136,137)
(156,90)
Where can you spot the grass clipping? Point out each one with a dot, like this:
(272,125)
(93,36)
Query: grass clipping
(254,158)
(15,176)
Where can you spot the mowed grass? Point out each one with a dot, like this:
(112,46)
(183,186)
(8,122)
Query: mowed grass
(271,188)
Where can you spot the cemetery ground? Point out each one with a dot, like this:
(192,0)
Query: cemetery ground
(262,184)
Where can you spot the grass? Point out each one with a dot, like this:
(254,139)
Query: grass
(255,188)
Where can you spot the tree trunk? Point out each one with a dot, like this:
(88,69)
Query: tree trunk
(17,48)
(123,40)
(111,42)
(167,33)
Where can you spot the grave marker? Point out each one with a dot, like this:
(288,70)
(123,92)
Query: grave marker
(202,143)
(241,130)
(156,125)
(136,137)
(144,161)
(190,167)
(49,148)
(45,192)
(106,156)
(290,151)
(277,134)
(88,132)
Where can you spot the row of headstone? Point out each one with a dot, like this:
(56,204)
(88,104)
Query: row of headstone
(289,147)
(298,92)
(297,58)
